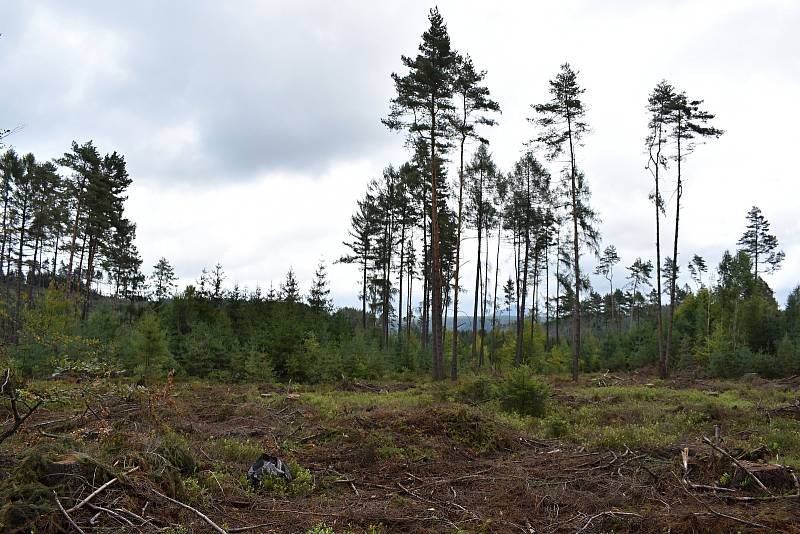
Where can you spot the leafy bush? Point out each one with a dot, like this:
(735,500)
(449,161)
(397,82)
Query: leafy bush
(522,392)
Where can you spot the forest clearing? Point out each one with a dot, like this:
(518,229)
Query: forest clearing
(379,267)
(604,455)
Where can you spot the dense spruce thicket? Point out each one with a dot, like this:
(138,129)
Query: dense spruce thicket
(73,293)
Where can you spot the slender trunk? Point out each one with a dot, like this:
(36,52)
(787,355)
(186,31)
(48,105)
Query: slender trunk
(456,282)
(6,233)
(80,264)
(485,297)
(436,326)
(576,318)
(477,270)
(547,293)
(23,222)
(364,260)
(521,311)
(32,270)
(75,233)
(674,277)
(55,255)
(400,281)
(558,287)
(425,281)
(493,355)
(534,304)
(475,302)
(660,320)
(89,276)
(409,310)
(517,246)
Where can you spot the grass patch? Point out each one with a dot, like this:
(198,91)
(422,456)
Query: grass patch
(233,450)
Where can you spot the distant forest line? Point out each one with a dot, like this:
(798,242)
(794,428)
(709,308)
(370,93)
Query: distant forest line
(65,235)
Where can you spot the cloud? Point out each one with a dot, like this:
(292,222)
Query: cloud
(250,128)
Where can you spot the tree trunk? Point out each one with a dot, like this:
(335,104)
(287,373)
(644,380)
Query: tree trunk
(23,222)
(456,282)
(558,287)
(364,260)
(6,233)
(436,290)
(662,362)
(485,297)
(576,313)
(477,271)
(400,281)
(674,279)
(426,275)
(523,294)
(75,233)
(493,354)
(547,293)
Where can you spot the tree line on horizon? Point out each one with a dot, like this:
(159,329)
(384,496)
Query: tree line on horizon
(65,237)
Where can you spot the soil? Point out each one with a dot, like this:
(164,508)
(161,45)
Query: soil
(439,468)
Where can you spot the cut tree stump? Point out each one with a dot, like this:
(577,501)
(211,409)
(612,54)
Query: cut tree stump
(772,475)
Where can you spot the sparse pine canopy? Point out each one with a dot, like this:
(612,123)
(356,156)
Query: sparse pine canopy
(697,267)
(561,120)
(562,127)
(760,244)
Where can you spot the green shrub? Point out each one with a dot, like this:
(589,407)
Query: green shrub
(478,390)
(176,451)
(522,392)
(302,482)
(469,428)
(557,426)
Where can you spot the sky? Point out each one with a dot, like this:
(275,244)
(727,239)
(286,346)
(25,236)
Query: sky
(251,128)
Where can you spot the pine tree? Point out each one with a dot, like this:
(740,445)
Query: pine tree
(660,105)
(760,244)
(640,273)
(697,267)
(563,127)
(473,105)
(480,175)
(12,170)
(290,289)
(150,347)
(363,226)
(84,161)
(217,279)
(319,295)
(605,267)
(164,279)
(423,107)
(688,123)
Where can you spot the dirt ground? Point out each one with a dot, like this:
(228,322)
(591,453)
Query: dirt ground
(400,457)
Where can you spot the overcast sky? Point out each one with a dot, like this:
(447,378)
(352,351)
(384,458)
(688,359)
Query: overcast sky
(251,128)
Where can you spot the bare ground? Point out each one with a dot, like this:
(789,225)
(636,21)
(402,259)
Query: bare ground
(382,462)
